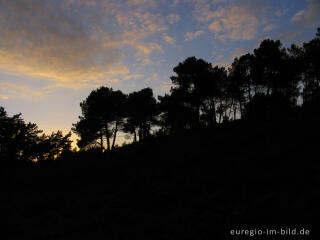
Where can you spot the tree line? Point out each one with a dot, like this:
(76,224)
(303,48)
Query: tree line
(263,85)
(22,143)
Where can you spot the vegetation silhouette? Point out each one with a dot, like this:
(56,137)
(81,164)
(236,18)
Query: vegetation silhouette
(224,147)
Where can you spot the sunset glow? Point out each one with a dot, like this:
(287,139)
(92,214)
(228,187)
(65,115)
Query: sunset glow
(54,53)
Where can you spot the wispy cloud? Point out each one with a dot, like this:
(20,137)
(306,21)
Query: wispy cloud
(21,91)
(4,97)
(39,39)
(280,13)
(269,27)
(133,76)
(64,41)
(238,52)
(231,20)
(288,36)
(193,35)
(174,3)
(168,39)
(309,17)
(173,18)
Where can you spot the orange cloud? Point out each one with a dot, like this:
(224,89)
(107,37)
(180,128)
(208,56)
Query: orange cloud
(237,23)
(231,20)
(133,76)
(4,97)
(21,91)
(168,39)
(190,35)
(38,42)
(48,39)
(215,27)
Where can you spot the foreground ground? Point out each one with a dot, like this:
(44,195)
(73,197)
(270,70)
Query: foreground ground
(196,185)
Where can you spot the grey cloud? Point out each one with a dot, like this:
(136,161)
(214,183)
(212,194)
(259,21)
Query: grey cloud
(46,38)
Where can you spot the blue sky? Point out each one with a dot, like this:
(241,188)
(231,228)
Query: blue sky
(54,53)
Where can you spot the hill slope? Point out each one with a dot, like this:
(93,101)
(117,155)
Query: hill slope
(189,186)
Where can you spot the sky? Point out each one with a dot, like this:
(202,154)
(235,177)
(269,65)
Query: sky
(53,53)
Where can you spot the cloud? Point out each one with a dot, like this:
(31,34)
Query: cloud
(137,25)
(141,2)
(231,20)
(174,3)
(153,78)
(226,65)
(238,52)
(39,39)
(193,35)
(146,61)
(280,13)
(133,76)
(168,39)
(4,97)
(269,27)
(219,1)
(146,48)
(309,17)
(21,91)
(166,86)
(235,23)
(215,27)
(173,18)
(66,42)
(288,36)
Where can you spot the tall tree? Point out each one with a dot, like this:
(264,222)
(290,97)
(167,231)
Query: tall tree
(176,113)
(311,68)
(102,114)
(141,111)
(272,69)
(198,81)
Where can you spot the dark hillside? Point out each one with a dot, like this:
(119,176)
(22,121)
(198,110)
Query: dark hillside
(188,186)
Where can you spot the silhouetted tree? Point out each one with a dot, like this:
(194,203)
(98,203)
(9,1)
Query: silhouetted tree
(196,82)
(16,138)
(176,113)
(141,112)
(50,147)
(102,114)
(20,142)
(311,68)
(241,82)
(273,70)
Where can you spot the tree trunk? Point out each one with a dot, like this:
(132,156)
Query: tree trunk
(108,137)
(226,108)
(135,135)
(213,109)
(234,110)
(198,115)
(101,141)
(140,133)
(220,113)
(115,134)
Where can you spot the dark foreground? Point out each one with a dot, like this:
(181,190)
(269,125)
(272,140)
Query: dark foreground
(197,185)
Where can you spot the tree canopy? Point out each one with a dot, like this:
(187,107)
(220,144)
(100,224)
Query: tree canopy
(264,85)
